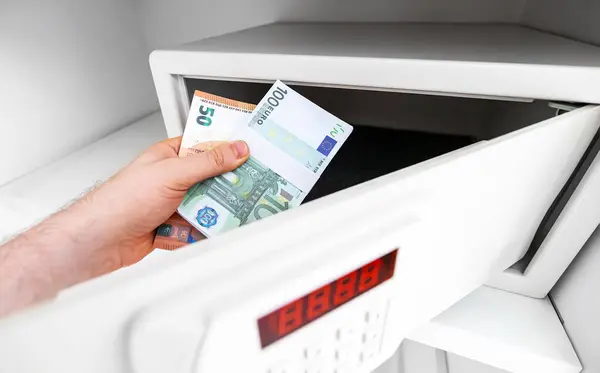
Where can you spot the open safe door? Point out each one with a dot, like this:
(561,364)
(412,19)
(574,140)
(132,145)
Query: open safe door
(448,223)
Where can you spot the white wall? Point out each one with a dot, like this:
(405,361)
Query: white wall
(71,71)
(576,19)
(577,296)
(404,10)
(167,23)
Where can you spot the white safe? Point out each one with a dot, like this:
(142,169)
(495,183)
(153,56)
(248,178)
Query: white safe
(505,196)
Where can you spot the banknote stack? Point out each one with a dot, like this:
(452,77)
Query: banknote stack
(291,142)
(176,233)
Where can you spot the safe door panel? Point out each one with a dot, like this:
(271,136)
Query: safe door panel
(483,207)
(475,211)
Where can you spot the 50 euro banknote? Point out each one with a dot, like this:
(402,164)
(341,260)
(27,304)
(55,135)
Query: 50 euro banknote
(211,119)
(291,142)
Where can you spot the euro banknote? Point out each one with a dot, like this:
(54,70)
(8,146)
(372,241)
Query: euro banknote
(212,118)
(174,233)
(291,142)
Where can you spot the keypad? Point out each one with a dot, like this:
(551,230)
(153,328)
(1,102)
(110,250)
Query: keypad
(344,348)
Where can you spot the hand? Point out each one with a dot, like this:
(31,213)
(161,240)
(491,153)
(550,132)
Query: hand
(111,227)
(132,204)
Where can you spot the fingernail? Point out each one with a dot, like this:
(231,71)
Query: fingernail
(240,148)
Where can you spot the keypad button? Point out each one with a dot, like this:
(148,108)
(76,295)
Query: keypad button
(370,336)
(348,334)
(374,316)
(313,353)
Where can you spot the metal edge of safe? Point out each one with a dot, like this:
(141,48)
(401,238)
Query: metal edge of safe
(556,208)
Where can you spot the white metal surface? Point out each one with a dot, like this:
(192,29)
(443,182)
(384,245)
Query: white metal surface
(419,358)
(460,364)
(415,357)
(573,228)
(504,330)
(36,195)
(462,232)
(492,60)
(577,299)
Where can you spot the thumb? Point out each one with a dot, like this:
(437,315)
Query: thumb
(227,156)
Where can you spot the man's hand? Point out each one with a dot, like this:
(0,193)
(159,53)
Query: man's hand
(111,227)
(143,195)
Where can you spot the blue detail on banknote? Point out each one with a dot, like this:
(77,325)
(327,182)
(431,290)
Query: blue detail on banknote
(326,146)
(207,217)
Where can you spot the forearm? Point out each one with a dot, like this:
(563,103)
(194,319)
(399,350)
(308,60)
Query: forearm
(111,227)
(61,251)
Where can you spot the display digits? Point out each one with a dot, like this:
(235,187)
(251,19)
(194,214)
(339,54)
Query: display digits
(369,276)
(302,311)
(318,302)
(206,118)
(290,317)
(344,289)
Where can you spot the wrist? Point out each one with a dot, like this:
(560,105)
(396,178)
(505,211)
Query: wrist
(90,240)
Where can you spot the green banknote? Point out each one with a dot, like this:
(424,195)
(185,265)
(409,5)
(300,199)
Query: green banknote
(249,193)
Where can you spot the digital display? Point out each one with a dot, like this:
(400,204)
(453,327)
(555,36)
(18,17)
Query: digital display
(304,310)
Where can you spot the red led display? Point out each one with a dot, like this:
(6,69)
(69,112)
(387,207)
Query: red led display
(302,311)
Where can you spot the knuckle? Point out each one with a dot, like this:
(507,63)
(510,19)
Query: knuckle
(217,157)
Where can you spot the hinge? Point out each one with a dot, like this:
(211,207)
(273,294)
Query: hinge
(564,107)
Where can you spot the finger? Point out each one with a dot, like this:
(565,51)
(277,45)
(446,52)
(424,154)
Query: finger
(203,146)
(199,148)
(173,143)
(225,157)
(164,149)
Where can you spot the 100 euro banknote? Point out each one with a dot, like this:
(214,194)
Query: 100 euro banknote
(291,141)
